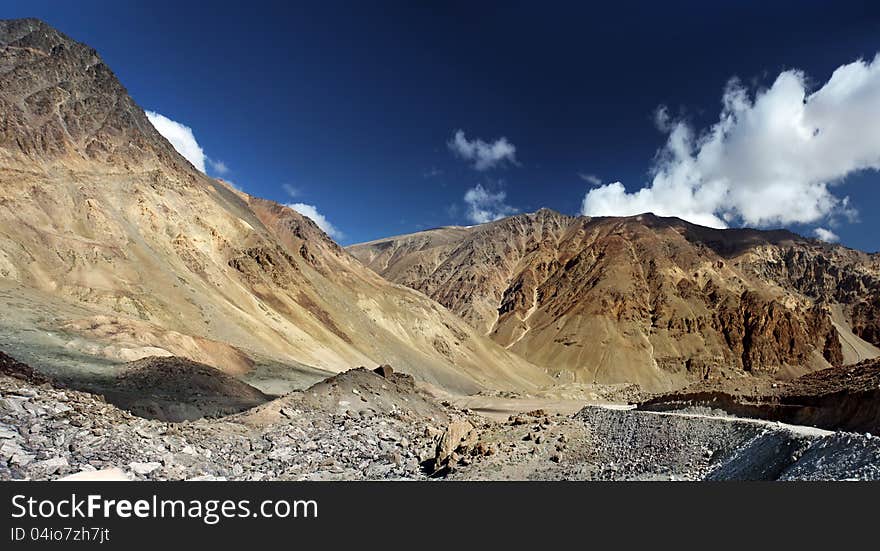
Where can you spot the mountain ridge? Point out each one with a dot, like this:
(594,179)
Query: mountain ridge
(118,248)
(595,296)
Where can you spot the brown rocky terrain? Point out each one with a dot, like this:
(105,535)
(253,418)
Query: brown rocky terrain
(381,425)
(826,273)
(836,399)
(164,325)
(644,299)
(469,270)
(177,389)
(114,248)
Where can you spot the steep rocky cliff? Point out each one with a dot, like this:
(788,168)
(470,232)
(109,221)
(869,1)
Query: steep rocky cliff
(653,300)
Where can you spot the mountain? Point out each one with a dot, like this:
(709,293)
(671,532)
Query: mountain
(114,247)
(645,299)
(467,269)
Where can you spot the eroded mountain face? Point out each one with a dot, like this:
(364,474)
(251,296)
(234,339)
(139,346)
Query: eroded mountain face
(644,299)
(469,270)
(826,273)
(59,100)
(116,247)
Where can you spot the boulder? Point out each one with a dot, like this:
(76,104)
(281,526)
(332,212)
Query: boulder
(384,371)
(143,469)
(456,441)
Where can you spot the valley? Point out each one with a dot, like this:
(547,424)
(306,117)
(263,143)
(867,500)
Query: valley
(157,323)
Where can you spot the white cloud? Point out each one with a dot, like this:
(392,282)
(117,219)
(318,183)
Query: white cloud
(484,155)
(181,137)
(312,212)
(826,235)
(218,166)
(293,191)
(591,179)
(772,158)
(485,206)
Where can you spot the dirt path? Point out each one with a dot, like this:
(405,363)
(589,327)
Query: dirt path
(802,430)
(499,409)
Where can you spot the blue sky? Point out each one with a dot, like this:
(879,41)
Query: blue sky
(355,106)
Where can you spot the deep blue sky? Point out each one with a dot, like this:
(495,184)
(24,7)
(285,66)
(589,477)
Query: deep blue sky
(353,103)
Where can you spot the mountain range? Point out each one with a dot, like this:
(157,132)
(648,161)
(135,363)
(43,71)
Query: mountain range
(113,248)
(645,299)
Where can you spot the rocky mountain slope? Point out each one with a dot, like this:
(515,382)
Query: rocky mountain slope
(113,246)
(645,299)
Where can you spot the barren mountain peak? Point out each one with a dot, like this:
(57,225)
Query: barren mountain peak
(136,253)
(62,104)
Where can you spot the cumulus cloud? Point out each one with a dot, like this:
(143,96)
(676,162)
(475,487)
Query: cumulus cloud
(181,137)
(826,235)
(772,158)
(484,206)
(312,212)
(483,155)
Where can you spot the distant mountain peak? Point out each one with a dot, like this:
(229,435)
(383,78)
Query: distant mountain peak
(643,298)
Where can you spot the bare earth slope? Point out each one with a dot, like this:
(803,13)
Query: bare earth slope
(127,251)
(657,301)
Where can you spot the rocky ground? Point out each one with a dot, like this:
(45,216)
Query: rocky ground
(846,398)
(47,433)
(380,425)
(599,443)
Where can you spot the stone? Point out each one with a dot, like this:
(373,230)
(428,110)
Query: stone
(143,469)
(207,478)
(457,433)
(484,449)
(50,466)
(384,371)
(11,405)
(432,432)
